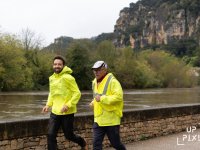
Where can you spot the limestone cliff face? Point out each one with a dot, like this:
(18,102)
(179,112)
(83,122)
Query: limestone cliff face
(158,22)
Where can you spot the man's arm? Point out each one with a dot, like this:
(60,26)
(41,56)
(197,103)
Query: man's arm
(115,96)
(73,87)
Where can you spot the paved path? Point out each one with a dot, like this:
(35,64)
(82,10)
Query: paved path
(180,141)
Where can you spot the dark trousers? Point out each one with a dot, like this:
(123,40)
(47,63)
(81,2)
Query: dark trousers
(66,122)
(112,133)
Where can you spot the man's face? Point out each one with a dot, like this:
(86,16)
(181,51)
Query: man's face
(99,72)
(57,65)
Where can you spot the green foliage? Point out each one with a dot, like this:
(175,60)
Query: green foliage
(151,3)
(106,51)
(189,5)
(196,59)
(183,47)
(171,71)
(21,69)
(134,72)
(125,68)
(15,75)
(41,65)
(78,60)
(61,44)
(144,69)
(143,137)
(145,76)
(103,37)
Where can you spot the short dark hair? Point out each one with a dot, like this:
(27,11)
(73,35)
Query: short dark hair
(61,58)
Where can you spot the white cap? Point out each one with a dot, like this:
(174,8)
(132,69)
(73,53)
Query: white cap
(99,64)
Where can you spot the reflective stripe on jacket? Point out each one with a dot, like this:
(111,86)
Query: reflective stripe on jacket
(108,111)
(63,91)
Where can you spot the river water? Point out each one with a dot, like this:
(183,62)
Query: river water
(28,105)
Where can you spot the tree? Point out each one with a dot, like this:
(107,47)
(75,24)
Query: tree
(171,71)
(30,40)
(106,51)
(125,68)
(15,75)
(78,59)
(182,47)
(43,70)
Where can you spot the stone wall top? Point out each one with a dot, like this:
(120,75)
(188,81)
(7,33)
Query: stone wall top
(27,128)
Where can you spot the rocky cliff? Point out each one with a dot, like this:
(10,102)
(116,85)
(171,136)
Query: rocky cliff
(150,22)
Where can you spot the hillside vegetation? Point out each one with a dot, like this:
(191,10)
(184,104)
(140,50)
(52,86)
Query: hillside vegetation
(155,43)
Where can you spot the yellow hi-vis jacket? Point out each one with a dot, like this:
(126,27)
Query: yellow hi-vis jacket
(63,91)
(108,111)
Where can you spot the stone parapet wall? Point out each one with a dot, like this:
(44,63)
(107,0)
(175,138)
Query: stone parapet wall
(136,125)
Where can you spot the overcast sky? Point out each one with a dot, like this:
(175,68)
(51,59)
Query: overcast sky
(54,18)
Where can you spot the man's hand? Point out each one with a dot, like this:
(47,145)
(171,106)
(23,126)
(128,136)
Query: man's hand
(45,109)
(65,108)
(97,98)
(91,105)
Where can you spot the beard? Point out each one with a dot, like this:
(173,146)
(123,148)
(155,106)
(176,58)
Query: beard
(57,70)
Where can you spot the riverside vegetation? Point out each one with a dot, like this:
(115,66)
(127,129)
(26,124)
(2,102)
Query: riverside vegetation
(26,66)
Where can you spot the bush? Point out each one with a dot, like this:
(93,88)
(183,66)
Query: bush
(171,71)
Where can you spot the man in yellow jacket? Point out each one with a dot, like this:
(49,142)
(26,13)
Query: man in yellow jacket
(63,96)
(107,105)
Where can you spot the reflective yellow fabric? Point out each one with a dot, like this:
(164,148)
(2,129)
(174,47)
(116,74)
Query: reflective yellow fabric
(108,111)
(63,91)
